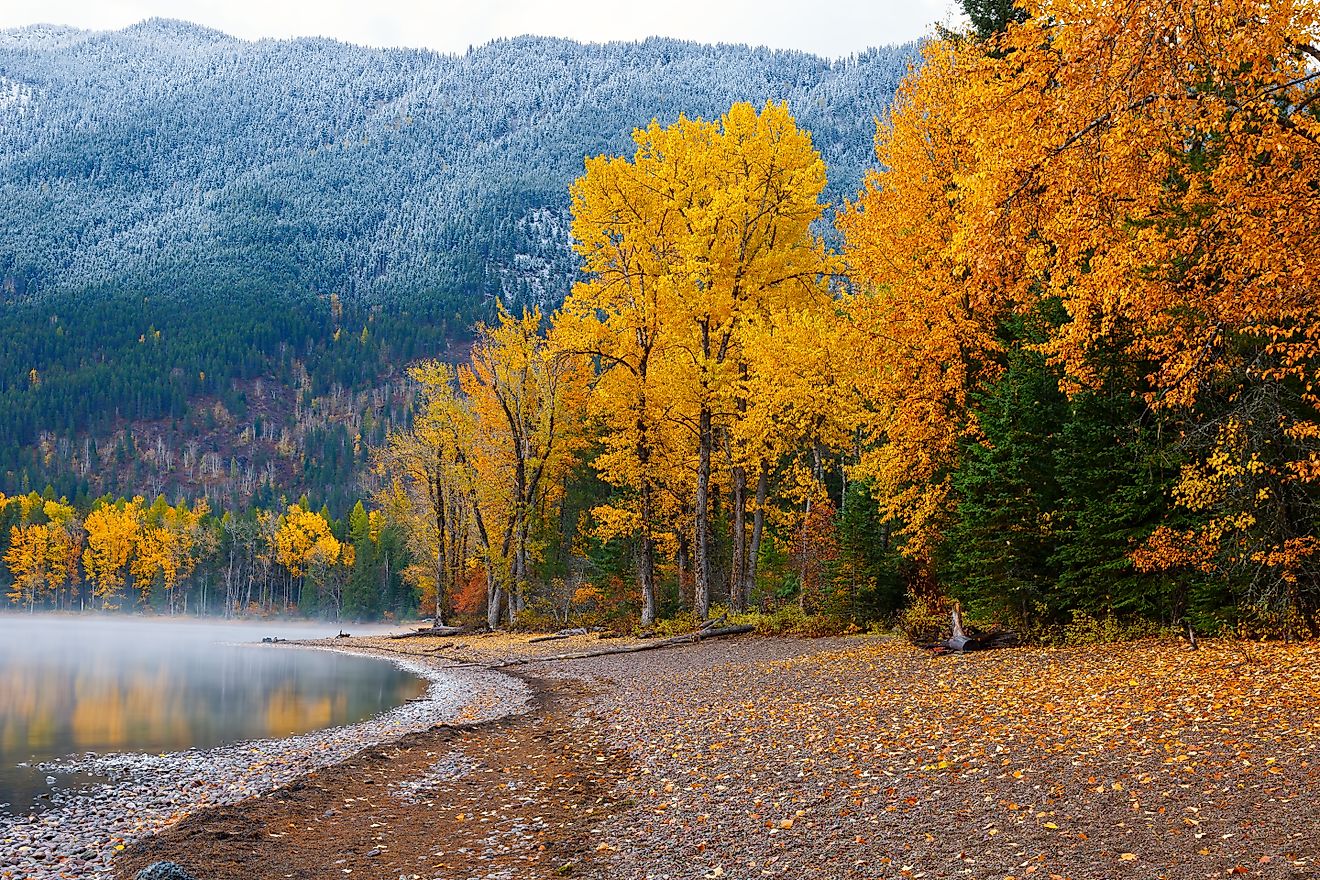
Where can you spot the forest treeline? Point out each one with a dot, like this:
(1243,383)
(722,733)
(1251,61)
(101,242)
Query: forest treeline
(1058,359)
(1063,367)
(125,554)
(237,399)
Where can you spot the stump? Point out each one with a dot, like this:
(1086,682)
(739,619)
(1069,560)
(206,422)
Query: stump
(962,640)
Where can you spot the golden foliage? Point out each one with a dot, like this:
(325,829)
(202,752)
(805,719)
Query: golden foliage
(113,533)
(303,542)
(42,558)
(165,545)
(704,231)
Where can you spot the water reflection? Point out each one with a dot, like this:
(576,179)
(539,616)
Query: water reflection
(71,685)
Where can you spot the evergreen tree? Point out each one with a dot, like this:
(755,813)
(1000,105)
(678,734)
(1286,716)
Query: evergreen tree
(997,551)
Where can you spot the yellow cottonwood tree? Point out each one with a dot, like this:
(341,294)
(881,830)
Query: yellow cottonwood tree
(707,225)
(305,545)
(29,559)
(165,546)
(527,402)
(43,557)
(113,531)
(304,540)
(800,413)
(432,487)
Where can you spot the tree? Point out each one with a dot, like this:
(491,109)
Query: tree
(926,312)
(165,546)
(1160,193)
(527,401)
(306,546)
(798,412)
(43,556)
(36,562)
(432,488)
(705,227)
(113,531)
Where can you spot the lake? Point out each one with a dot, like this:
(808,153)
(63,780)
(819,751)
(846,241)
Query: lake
(70,685)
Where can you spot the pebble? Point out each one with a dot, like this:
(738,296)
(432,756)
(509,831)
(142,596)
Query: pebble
(84,828)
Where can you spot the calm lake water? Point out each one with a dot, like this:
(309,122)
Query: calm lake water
(70,685)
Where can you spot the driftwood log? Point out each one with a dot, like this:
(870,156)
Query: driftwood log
(562,634)
(434,632)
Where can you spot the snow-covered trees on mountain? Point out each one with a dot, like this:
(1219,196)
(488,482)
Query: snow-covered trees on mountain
(169,157)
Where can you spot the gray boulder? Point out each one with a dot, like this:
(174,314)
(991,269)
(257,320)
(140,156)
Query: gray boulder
(163,871)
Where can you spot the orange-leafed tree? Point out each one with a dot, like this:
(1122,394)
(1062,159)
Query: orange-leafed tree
(1150,168)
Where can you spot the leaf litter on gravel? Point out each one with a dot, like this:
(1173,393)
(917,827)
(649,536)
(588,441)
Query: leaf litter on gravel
(876,760)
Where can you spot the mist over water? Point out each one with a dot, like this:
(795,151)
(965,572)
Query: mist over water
(70,685)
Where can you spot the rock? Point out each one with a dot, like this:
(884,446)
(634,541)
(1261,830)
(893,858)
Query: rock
(163,871)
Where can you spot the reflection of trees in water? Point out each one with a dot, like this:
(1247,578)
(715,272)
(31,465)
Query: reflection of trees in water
(103,701)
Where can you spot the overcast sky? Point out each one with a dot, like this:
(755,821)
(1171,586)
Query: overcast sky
(833,27)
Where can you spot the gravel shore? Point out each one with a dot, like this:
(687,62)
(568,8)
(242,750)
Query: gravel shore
(83,830)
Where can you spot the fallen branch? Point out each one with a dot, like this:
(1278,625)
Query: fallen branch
(442,632)
(699,636)
(562,634)
(962,641)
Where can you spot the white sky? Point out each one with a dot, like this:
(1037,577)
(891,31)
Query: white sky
(833,28)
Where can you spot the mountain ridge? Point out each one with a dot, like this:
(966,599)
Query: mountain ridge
(137,134)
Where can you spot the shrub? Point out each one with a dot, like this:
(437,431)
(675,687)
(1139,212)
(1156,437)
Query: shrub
(925,619)
(791,620)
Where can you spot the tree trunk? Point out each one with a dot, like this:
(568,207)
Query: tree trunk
(646,544)
(683,562)
(802,573)
(738,576)
(441,546)
(758,528)
(493,599)
(701,518)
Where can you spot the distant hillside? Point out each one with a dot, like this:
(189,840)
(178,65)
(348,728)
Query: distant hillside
(168,156)
(170,186)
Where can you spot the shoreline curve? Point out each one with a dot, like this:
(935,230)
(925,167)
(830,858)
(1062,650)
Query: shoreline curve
(85,827)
